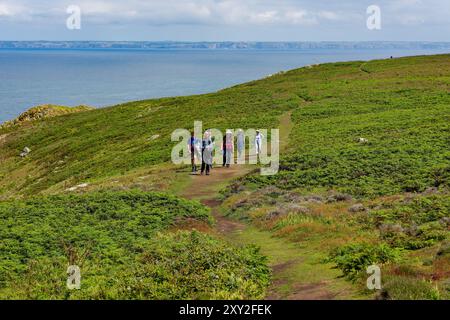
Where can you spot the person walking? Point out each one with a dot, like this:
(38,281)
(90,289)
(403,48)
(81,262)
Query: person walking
(192,145)
(240,138)
(229,147)
(258,142)
(224,154)
(207,150)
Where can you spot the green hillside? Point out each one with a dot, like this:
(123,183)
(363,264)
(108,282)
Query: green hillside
(383,200)
(400,105)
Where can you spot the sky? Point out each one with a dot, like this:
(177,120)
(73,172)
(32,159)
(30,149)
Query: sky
(226,20)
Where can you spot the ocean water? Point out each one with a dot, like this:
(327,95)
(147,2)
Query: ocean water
(106,77)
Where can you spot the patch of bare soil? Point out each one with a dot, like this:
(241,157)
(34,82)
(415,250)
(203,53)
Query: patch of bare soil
(310,291)
(306,291)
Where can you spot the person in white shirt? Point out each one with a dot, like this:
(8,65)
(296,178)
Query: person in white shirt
(258,141)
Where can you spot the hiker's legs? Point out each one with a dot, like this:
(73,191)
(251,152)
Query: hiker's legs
(224,158)
(240,158)
(194,167)
(203,166)
(228,157)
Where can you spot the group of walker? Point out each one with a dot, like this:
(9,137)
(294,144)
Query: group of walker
(204,149)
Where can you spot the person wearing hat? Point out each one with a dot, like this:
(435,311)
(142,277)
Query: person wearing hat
(207,150)
(193,147)
(258,142)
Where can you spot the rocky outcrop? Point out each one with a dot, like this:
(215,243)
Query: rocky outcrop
(41,112)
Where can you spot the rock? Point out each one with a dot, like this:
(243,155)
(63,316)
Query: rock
(357,208)
(25,152)
(80,186)
(43,111)
(363,140)
(154,137)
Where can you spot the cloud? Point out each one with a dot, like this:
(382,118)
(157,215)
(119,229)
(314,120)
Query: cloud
(8,9)
(259,18)
(161,12)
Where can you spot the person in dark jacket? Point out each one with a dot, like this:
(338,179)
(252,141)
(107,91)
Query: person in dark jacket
(224,154)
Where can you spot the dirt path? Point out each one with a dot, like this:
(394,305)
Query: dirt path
(297,272)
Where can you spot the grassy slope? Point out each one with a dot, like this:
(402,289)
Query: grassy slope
(400,105)
(390,105)
(106,142)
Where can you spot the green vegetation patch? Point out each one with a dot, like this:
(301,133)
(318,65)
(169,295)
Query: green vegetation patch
(115,238)
(353,259)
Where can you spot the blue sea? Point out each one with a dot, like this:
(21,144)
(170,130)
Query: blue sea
(106,77)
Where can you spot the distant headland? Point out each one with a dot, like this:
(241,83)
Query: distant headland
(228,45)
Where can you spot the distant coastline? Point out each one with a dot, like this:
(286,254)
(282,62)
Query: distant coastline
(228,45)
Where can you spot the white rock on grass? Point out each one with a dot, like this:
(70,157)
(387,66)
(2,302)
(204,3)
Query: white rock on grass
(363,140)
(25,152)
(80,186)
(153,137)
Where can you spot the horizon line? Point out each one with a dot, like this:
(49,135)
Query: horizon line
(239,41)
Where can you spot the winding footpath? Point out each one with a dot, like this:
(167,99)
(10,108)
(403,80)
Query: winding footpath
(297,273)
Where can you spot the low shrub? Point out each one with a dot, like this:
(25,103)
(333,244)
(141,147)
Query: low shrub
(408,288)
(117,240)
(354,258)
(181,265)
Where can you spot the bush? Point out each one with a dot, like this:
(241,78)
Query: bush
(182,265)
(354,258)
(113,237)
(407,288)
(189,265)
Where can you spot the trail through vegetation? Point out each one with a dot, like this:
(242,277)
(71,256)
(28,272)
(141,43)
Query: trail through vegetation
(297,272)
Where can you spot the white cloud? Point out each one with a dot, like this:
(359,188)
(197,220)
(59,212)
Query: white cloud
(160,12)
(8,9)
(261,17)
